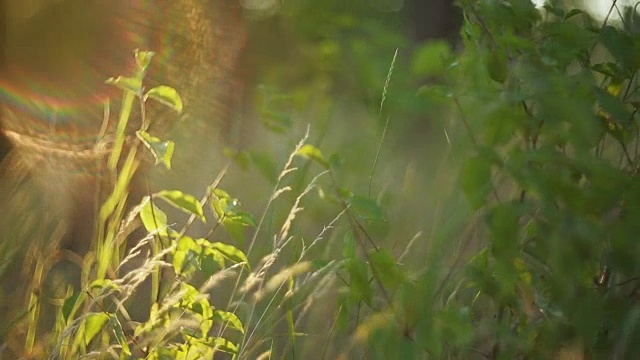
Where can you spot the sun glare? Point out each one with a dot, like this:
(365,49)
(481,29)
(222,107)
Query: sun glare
(597,8)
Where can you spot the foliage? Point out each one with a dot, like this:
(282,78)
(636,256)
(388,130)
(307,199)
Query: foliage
(170,276)
(94,320)
(538,262)
(549,102)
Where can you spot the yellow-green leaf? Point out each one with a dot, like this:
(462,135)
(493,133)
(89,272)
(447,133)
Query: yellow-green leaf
(93,325)
(211,260)
(185,258)
(143,59)
(133,84)
(162,150)
(153,218)
(313,153)
(222,344)
(103,283)
(430,58)
(185,202)
(229,319)
(165,95)
(230,252)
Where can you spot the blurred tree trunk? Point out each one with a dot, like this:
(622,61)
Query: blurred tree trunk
(57,56)
(433,19)
(61,51)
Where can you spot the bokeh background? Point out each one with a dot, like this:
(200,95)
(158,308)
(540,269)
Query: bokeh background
(321,65)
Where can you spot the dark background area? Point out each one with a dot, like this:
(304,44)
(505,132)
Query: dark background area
(434,19)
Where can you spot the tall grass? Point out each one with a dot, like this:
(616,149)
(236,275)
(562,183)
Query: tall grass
(152,297)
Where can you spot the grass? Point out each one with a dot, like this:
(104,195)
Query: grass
(172,293)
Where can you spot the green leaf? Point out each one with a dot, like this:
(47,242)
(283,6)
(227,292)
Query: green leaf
(366,208)
(228,319)
(165,95)
(223,203)
(194,349)
(162,151)
(429,59)
(224,345)
(475,178)
(567,41)
(387,269)
(143,59)
(609,69)
(185,202)
(93,325)
(153,218)
(498,65)
(313,153)
(435,92)
(231,252)
(228,210)
(503,221)
(211,261)
(132,84)
(241,218)
(120,336)
(163,353)
(69,305)
(103,283)
(349,248)
(186,255)
(614,107)
(359,285)
(235,229)
(205,314)
(190,295)
(621,46)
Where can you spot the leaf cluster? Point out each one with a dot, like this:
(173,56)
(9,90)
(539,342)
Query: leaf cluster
(548,101)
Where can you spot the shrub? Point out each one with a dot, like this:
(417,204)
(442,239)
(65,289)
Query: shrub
(549,103)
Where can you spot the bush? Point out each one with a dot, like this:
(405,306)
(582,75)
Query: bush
(549,100)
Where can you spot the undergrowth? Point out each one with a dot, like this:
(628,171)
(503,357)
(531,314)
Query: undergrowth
(177,277)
